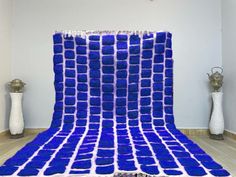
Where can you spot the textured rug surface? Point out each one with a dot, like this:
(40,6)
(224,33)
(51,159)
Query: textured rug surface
(113,114)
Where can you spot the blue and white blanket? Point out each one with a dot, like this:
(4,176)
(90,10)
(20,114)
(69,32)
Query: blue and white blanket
(113,112)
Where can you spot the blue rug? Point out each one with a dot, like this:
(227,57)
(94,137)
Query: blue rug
(113,113)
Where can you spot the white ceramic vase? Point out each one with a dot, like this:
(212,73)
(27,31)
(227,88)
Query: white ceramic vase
(216,124)
(16,122)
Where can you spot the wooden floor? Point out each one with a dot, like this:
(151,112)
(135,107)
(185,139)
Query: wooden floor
(223,152)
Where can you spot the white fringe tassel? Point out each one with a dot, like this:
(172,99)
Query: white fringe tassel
(88,32)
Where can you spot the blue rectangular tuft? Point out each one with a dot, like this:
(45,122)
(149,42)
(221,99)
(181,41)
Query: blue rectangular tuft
(159,48)
(148,44)
(81,50)
(94,45)
(57,38)
(69,54)
(161,37)
(122,55)
(108,40)
(122,37)
(69,44)
(134,39)
(168,53)
(81,59)
(147,54)
(94,55)
(134,49)
(106,50)
(58,49)
(108,60)
(80,40)
(94,37)
(121,45)
(70,64)
(57,59)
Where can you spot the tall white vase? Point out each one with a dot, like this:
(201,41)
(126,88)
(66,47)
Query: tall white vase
(216,124)
(16,122)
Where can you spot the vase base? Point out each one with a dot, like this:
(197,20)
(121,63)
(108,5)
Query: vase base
(16,136)
(217,137)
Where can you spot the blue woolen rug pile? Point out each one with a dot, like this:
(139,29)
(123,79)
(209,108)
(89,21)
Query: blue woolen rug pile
(113,112)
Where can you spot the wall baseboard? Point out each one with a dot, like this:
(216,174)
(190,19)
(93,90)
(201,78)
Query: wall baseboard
(34,130)
(188,132)
(230,134)
(194,132)
(4,133)
(27,131)
(199,132)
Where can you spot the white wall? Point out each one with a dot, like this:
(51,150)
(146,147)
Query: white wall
(229,62)
(196,28)
(5,60)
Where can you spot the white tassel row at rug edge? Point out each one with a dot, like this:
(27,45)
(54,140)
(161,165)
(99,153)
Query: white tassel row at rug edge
(100,32)
(112,175)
